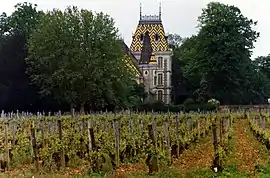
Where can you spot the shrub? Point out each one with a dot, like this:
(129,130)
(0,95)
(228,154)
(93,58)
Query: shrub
(202,107)
(188,101)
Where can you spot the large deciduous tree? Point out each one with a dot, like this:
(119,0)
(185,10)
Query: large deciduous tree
(225,39)
(16,91)
(179,93)
(75,55)
(216,62)
(262,64)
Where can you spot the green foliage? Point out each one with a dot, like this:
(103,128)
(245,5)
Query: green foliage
(226,39)
(262,64)
(3,24)
(179,84)
(75,55)
(187,107)
(15,88)
(75,140)
(216,63)
(188,102)
(189,52)
(202,107)
(227,172)
(174,41)
(24,19)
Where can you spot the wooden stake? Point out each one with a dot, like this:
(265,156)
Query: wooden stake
(116,134)
(6,146)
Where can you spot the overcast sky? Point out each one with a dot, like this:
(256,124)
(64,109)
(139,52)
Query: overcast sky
(179,16)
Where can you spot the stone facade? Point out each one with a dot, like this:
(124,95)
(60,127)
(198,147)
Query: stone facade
(150,48)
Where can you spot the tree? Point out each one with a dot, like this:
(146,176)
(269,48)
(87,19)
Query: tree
(262,64)
(260,79)
(15,88)
(185,72)
(3,24)
(76,56)
(225,41)
(174,41)
(24,19)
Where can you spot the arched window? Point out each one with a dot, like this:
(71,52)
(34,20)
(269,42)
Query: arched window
(160,62)
(160,79)
(160,95)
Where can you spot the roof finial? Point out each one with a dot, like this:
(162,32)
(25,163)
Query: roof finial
(160,10)
(140,11)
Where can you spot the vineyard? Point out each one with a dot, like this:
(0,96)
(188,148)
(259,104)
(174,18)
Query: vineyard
(123,143)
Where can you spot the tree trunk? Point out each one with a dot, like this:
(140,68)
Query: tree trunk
(72,110)
(82,108)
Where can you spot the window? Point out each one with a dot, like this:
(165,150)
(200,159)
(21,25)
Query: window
(146,73)
(155,80)
(160,62)
(156,37)
(141,37)
(160,79)
(159,95)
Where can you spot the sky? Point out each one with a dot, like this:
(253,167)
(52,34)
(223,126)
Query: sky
(178,16)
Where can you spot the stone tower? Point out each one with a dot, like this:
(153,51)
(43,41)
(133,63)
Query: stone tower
(150,47)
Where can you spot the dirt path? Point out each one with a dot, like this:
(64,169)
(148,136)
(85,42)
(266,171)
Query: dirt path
(200,156)
(247,150)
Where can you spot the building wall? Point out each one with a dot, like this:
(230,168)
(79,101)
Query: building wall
(152,27)
(153,71)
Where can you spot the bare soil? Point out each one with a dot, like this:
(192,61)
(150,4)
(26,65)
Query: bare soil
(200,156)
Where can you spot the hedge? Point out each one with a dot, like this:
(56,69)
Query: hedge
(161,107)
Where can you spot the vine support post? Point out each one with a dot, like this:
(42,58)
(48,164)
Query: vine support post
(177,136)
(91,138)
(141,127)
(117,135)
(62,154)
(198,128)
(167,138)
(34,145)
(154,130)
(90,146)
(29,132)
(6,146)
(216,162)
(220,130)
(14,130)
(152,159)
(73,112)
(263,122)
(189,126)
(42,133)
(206,124)
(141,132)
(131,123)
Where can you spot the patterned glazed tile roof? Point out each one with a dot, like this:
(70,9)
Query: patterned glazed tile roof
(153,25)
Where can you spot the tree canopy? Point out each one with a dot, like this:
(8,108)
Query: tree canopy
(216,62)
(75,55)
(16,92)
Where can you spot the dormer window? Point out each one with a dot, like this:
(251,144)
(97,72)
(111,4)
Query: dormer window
(156,37)
(141,37)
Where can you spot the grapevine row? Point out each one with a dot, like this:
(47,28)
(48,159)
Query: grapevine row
(98,141)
